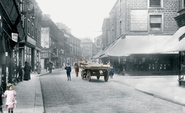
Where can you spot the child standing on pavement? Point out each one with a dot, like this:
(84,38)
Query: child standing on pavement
(68,71)
(10,95)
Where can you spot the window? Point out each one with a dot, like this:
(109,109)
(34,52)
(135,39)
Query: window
(183,3)
(155,22)
(155,3)
(120,27)
(120,7)
(28,26)
(98,42)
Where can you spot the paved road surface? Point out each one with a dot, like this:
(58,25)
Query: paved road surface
(97,96)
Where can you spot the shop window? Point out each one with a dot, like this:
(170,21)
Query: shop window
(155,3)
(161,66)
(164,66)
(143,59)
(156,23)
(153,66)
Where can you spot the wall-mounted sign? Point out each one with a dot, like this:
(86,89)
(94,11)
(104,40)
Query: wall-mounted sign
(45,37)
(31,41)
(44,55)
(15,37)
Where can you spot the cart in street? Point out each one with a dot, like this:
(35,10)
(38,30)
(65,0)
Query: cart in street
(90,69)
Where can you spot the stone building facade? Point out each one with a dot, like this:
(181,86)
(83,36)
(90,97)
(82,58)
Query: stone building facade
(142,18)
(11,33)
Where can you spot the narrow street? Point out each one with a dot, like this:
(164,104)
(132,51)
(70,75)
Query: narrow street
(97,96)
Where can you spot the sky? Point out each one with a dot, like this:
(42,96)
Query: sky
(83,17)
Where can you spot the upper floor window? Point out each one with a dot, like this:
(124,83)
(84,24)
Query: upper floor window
(155,23)
(155,3)
(120,27)
(183,3)
(120,7)
(98,42)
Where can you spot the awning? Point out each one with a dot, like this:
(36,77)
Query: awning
(136,45)
(102,52)
(173,44)
(178,41)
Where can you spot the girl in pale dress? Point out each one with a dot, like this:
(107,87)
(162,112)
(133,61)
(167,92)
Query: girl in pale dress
(10,95)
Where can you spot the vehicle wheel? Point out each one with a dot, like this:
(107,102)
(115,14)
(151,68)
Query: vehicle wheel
(88,75)
(82,74)
(98,74)
(98,77)
(179,83)
(106,76)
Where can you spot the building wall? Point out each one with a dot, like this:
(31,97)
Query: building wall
(132,17)
(87,48)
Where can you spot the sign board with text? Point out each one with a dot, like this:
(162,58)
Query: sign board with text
(15,37)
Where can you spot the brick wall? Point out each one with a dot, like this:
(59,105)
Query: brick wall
(169,11)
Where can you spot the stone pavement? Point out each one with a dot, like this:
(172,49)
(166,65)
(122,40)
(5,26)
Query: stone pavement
(164,87)
(29,95)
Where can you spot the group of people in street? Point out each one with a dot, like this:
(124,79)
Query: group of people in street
(49,66)
(10,93)
(68,70)
(76,67)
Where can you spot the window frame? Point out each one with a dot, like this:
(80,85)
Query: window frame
(162,23)
(183,4)
(161,4)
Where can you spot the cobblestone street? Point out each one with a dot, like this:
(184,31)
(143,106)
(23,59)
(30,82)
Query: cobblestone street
(97,96)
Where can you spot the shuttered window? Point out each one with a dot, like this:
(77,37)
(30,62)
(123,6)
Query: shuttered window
(155,22)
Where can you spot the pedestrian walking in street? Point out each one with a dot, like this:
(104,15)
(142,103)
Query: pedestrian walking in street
(1,101)
(20,72)
(50,67)
(47,66)
(27,71)
(68,71)
(38,68)
(111,71)
(10,95)
(76,67)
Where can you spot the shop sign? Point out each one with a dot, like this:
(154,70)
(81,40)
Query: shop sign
(31,40)
(15,37)
(45,37)
(44,55)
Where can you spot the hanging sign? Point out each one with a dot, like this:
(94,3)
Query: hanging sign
(14,37)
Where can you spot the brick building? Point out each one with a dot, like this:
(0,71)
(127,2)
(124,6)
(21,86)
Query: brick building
(11,33)
(30,46)
(141,18)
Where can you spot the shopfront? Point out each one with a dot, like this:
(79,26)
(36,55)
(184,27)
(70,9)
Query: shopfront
(27,49)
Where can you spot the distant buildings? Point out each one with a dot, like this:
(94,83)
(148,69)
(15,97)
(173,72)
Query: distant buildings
(88,48)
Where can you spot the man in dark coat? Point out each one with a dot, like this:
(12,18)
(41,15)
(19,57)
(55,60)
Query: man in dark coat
(27,70)
(68,71)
